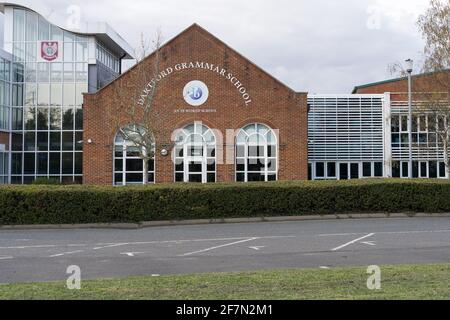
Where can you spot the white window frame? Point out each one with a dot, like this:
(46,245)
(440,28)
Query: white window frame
(262,131)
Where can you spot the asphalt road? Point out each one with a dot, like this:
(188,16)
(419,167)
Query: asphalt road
(28,256)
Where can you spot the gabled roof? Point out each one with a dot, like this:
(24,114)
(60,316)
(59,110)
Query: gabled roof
(196,28)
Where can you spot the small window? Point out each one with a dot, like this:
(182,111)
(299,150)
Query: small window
(331,170)
(423,170)
(415,169)
(395,169)
(309,171)
(442,170)
(378,169)
(367,169)
(405,169)
(395,124)
(320,170)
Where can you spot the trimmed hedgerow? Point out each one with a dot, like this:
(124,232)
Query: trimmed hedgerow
(84,204)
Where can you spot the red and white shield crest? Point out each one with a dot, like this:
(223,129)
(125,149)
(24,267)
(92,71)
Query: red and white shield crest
(49,50)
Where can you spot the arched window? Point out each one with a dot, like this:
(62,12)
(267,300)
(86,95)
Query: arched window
(256,154)
(128,159)
(195,154)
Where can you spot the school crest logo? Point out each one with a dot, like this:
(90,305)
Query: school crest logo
(196,93)
(49,50)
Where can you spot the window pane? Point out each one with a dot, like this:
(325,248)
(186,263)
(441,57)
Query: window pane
(17,142)
(16,163)
(67,141)
(256,165)
(29,163)
(31,95)
(78,163)
(43,72)
(240,151)
(367,169)
(331,169)
(320,170)
(42,119)
(255,177)
(134,165)
(17,120)
(42,163)
(68,118)
(30,72)
(78,141)
(30,143)
(378,169)
(79,119)
(211,177)
(55,161)
(67,163)
(56,72)
(55,119)
(134,178)
(433,170)
(69,95)
(442,170)
(44,29)
(405,169)
(42,141)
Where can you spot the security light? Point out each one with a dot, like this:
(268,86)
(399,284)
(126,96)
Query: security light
(409,65)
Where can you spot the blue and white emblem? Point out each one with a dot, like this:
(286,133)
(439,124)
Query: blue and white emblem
(196,93)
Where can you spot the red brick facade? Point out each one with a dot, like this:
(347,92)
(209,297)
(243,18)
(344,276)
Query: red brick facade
(272,103)
(431,82)
(4,139)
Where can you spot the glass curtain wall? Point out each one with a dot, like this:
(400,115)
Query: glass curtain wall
(47,128)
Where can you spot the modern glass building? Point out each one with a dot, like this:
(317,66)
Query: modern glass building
(45,71)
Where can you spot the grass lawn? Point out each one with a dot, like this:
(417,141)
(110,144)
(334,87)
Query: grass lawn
(398,282)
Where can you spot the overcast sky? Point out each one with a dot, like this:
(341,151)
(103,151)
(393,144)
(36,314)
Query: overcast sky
(320,46)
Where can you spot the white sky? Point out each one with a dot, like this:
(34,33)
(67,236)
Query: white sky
(320,46)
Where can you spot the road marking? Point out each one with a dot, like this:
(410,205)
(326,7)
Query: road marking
(218,247)
(353,241)
(324,267)
(30,247)
(257,248)
(370,243)
(111,246)
(131,254)
(6,258)
(65,253)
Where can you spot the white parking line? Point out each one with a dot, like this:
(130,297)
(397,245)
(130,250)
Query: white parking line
(65,253)
(218,247)
(111,246)
(353,241)
(31,247)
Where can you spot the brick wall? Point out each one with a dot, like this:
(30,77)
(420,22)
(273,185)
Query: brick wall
(272,103)
(434,82)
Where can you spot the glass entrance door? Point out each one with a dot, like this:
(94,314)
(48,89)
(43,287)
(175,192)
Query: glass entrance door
(195,170)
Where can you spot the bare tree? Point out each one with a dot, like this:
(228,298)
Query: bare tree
(133,113)
(434,25)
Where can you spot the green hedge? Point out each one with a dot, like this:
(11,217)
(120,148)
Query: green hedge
(82,204)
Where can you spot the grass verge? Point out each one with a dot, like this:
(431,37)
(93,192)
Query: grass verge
(403,282)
